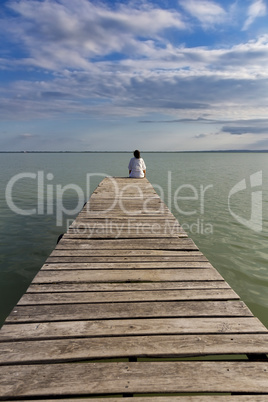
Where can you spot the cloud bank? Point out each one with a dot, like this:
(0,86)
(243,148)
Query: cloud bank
(131,60)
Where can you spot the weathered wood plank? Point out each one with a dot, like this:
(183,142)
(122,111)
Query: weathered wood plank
(159,222)
(148,326)
(127,253)
(88,223)
(110,198)
(131,244)
(130,215)
(58,351)
(115,287)
(152,275)
(126,205)
(127,296)
(141,229)
(196,398)
(130,259)
(145,377)
(127,209)
(156,222)
(69,265)
(128,310)
(146,202)
(150,198)
(134,221)
(118,234)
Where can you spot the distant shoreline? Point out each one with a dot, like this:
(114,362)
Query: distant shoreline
(144,152)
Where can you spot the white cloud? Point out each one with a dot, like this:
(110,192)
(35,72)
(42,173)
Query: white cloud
(117,62)
(207,12)
(188,82)
(72,32)
(256,9)
(63,35)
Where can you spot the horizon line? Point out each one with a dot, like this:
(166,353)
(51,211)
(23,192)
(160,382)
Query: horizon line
(193,151)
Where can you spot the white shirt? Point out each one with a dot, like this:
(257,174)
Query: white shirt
(137,166)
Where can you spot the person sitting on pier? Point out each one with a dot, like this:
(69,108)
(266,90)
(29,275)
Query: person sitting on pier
(136,166)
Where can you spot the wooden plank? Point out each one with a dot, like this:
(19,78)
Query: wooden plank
(127,215)
(131,244)
(143,194)
(172,398)
(147,201)
(127,198)
(139,205)
(148,326)
(145,377)
(126,208)
(147,198)
(176,346)
(127,259)
(118,234)
(118,220)
(129,253)
(128,310)
(126,220)
(159,221)
(123,203)
(155,223)
(126,296)
(126,265)
(152,275)
(140,228)
(115,287)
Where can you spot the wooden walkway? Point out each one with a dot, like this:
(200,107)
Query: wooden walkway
(127,306)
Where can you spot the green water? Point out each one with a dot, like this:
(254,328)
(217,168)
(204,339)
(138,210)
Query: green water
(195,186)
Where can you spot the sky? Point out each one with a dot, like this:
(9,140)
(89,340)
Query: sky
(164,75)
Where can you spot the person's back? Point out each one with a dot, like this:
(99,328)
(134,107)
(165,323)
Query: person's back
(136,166)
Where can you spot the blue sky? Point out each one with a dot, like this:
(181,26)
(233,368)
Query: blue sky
(165,75)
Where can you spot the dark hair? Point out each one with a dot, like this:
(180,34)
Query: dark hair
(137,154)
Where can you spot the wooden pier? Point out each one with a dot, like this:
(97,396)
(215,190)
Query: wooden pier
(126,306)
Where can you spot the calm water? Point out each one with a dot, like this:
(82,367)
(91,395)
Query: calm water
(196,187)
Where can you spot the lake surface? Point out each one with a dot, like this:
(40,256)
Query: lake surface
(220,199)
